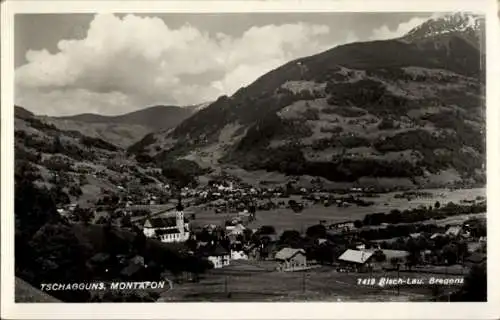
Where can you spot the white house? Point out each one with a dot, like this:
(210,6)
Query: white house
(238,255)
(237,252)
(356,259)
(236,229)
(290,259)
(219,257)
(454,231)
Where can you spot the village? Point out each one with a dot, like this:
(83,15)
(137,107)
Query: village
(225,223)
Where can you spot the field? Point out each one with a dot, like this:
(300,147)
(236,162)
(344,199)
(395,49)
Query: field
(284,218)
(256,281)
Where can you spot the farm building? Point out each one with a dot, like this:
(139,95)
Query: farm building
(346,225)
(454,231)
(235,229)
(436,235)
(290,259)
(358,260)
(238,255)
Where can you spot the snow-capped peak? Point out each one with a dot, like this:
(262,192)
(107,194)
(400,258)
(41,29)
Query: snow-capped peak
(202,106)
(449,23)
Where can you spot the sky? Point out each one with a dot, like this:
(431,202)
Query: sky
(112,64)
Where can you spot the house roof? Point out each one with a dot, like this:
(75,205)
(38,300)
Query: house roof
(356,256)
(435,235)
(454,230)
(167,231)
(162,222)
(288,253)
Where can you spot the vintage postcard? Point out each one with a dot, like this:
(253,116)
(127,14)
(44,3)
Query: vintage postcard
(237,159)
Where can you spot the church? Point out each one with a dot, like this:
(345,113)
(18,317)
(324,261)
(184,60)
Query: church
(168,228)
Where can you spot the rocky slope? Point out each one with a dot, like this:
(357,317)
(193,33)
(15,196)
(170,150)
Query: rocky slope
(410,108)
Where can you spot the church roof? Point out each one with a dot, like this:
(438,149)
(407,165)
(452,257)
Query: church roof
(162,222)
(167,231)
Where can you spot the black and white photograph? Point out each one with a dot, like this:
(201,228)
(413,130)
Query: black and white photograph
(170,157)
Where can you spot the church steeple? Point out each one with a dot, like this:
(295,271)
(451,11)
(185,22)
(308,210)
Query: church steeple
(180,217)
(179,206)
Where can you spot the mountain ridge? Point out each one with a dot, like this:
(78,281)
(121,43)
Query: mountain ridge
(121,130)
(377,104)
(156,117)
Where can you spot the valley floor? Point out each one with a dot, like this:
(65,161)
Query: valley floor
(286,219)
(257,281)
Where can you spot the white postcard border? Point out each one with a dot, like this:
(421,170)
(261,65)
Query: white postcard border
(346,310)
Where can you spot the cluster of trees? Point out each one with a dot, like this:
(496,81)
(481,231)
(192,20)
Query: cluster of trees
(330,129)
(369,94)
(40,125)
(291,161)
(140,146)
(347,142)
(182,172)
(53,146)
(394,231)
(423,213)
(75,190)
(475,286)
(348,112)
(90,142)
(144,158)
(23,154)
(396,73)
(295,206)
(108,200)
(353,169)
(271,127)
(48,248)
(452,154)
(84,215)
(467,135)
(393,74)
(57,163)
(417,139)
